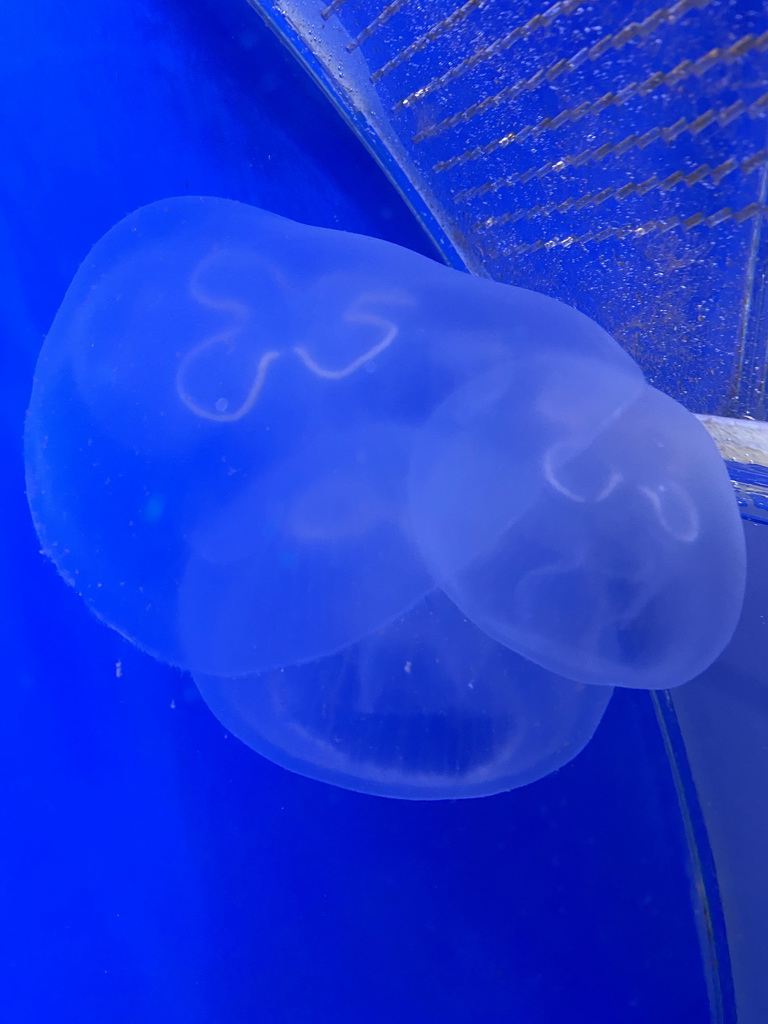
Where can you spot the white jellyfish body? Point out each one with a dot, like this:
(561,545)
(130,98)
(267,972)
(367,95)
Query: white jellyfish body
(290,460)
(427,708)
(623,565)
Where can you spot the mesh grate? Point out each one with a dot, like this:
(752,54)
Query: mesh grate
(611,155)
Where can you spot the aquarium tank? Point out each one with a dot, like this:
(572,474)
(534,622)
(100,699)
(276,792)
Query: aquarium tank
(386,483)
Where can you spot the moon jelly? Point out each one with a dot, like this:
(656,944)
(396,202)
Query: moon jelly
(624,564)
(391,517)
(427,708)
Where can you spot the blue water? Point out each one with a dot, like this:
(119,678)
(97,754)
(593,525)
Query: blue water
(159,870)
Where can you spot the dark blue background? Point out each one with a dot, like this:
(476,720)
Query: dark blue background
(152,868)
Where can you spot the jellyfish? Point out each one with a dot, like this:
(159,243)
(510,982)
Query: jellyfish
(625,563)
(427,708)
(406,528)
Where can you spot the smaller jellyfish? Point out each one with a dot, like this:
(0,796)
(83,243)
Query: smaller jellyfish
(427,708)
(621,562)
(271,576)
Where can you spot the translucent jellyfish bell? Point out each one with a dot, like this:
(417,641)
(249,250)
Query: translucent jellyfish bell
(625,563)
(427,708)
(390,516)
(209,459)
